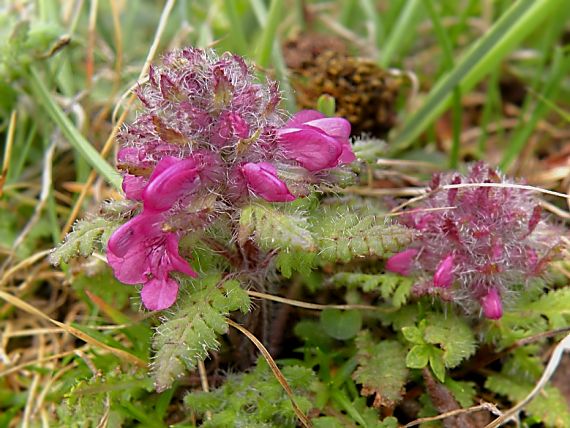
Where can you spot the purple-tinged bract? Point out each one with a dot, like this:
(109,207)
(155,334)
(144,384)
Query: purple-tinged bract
(476,244)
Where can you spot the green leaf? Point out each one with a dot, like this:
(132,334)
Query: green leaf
(187,334)
(555,305)
(273,228)
(464,392)
(453,335)
(437,364)
(342,235)
(341,325)
(75,138)
(289,261)
(82,241)
(381,369)
(549,406)
(418,357)
(254,399)
(393,288)
(413,335)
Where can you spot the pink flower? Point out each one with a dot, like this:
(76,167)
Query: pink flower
(491,304)
(171,179)
(443,276)
(263,181)
(141,252)
(315,141)
(402,262)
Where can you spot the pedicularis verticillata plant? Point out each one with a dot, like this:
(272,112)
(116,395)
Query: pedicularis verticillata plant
(476,245)
(210,139)
(225,192)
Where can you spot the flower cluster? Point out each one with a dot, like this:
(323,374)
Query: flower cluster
(210,138)
(476,244)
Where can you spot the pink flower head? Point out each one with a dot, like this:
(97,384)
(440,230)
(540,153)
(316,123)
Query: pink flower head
(490,235)
(491,304)
(315,141)
(263,181)
(209,138)
(402,262)
(140,252)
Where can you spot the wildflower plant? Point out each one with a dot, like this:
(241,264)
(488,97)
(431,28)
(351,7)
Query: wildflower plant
(224,192)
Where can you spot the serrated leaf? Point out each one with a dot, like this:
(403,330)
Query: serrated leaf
(273,228)
(381,369)
(555,305)
(186,336)
(289,261)
(82,241)
(341,325)
(342,235)
(418,357)
(453,335)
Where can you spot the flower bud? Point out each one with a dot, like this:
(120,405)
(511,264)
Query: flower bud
(491,305)
(402,262)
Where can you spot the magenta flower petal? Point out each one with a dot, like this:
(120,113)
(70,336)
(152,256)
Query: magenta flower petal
(347,155)
(491,304)
(177,262)
(131,268)
(128,247)
(313,149)
(315,141)
(402,262)
(170,181)
(443,276)
(263,181)
(158,294)
(133,187)
(302,117)
(133,234)
(334,126)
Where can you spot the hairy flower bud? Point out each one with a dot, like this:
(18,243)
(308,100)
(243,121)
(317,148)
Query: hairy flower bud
(480,229)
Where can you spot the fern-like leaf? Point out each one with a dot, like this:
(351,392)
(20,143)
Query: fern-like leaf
(273,228)
(86,237)
(393,288)
(342,235)
(185,337)
(255,399)
(382,369)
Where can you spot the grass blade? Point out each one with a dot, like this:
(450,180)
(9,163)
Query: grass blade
(519,20)
(269,30)
(560,69)
(402,31)
(71,133)
(237,32)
